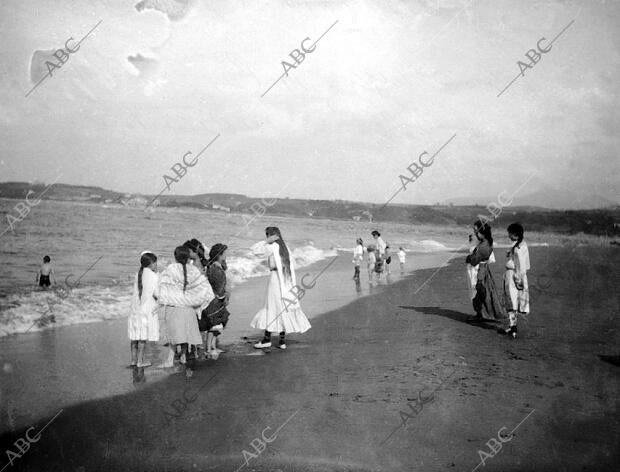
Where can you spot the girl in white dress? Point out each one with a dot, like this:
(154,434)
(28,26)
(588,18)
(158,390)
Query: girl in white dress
(516,289)
(282,312)
(143,324)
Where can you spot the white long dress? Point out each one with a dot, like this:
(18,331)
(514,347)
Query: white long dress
(143,322)
(517,265)
(282,311)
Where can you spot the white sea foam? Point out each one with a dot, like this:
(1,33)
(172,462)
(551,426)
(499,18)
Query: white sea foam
(424,246)
(39,310)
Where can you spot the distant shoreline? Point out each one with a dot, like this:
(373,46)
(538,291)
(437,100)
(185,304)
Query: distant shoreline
(551,237)
(601,221)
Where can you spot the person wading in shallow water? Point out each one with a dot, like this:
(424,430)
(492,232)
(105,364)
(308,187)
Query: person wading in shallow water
(358,257)
(282,312)
(379,253)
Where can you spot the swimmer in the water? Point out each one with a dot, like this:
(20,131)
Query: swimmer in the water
(45,275)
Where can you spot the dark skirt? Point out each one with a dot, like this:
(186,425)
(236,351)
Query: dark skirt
(488,303)
(216,313)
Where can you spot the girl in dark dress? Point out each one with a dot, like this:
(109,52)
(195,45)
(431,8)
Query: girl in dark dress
(215,316)
(487,302)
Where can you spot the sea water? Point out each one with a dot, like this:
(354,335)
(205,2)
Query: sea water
(100,246)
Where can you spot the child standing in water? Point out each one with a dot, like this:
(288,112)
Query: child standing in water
(388,260)
(515,278)
(45,273)
(143,322)
(372,261)
(358,256)
(402,256)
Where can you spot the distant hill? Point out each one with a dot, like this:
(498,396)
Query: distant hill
(595,221)
(550,198)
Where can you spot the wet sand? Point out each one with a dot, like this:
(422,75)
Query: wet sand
(393,381)
(55,368)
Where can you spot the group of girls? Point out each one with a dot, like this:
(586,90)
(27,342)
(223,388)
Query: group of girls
(488,304)
(185,306)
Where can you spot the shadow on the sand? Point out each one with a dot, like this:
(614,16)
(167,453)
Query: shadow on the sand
(453,315)
(613,360)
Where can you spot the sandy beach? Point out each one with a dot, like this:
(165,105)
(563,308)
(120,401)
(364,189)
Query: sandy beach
(388,381)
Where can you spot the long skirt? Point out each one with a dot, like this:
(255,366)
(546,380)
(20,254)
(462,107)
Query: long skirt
(214,314)
(276,317)
(488,302)
(516,300)
(179,325)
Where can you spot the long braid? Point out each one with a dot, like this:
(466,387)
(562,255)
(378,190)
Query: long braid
(146,260)
(517,230)
(140,282)
(181,255)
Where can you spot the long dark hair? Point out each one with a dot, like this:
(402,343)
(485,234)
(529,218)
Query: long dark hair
(284,254)
(198,248)
(216,251)
(485,230)
(517,230)
(181,255)
(146,260)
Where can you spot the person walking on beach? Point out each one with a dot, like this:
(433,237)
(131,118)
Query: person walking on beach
(358,256)
(516,290)
(486,302)
(215,316)
(143,322)
(282,312)
(182,289)
(45,274)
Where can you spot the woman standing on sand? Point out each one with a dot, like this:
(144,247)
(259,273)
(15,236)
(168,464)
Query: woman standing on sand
(182,289)
(282,312)
(487,303)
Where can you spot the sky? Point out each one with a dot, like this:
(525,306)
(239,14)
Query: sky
(389,81)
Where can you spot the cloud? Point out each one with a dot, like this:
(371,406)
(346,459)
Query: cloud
(146,66)
(175,10)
